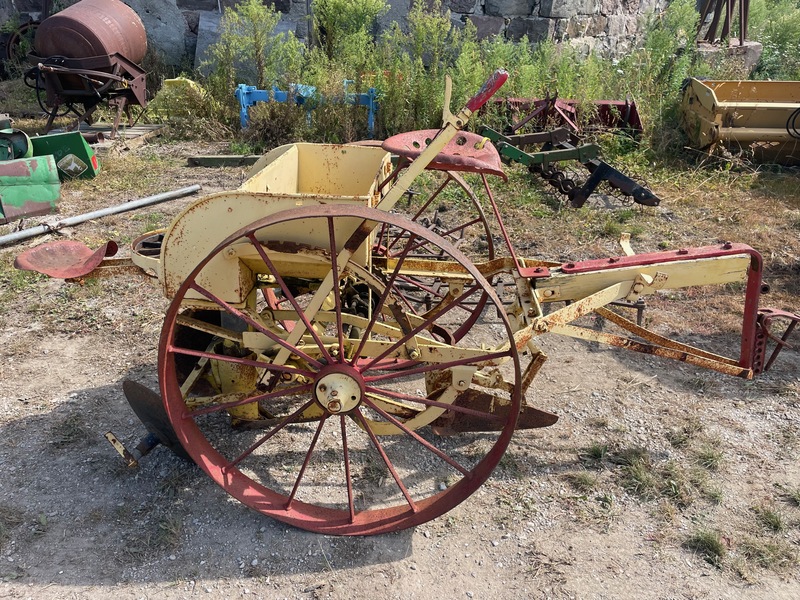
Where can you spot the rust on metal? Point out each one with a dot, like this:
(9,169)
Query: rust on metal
(764,332)
(655,258)
(92,28)
(64,259)
(550,110)
(88,53)
(453,422)
(721,366)
(467,152)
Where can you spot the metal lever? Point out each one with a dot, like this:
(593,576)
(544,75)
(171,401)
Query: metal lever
(132,457)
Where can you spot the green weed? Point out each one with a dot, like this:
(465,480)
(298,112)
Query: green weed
(709,456)
(770,518)
(594,453)
(582,481)
(640,479)
(708,544)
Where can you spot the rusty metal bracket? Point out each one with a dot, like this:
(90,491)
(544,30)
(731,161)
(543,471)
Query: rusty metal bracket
(763,332)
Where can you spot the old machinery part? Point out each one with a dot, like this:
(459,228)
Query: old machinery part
(350,370)
(340,451)
(93,28)
(14,143)
(720,9)
(555,149)
(87,54)
(95,214)
(757,119)
(791,124)
(28,187)
(543,114)
(468,229)
(764,332)
(73,155)
(66,259)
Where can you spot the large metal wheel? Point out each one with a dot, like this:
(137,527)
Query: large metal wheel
(343,444)
(448,207)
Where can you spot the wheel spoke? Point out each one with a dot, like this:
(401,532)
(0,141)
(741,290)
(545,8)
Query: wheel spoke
(337,292)
(374,439)
(484,415)
(419,285)
(436,366)
(419,213)
(294,391)
(424,325)
(239,361)
(351,507)
(290,297)
(376,312)
(279,427)
(253,323)
(425,443)
(311,447)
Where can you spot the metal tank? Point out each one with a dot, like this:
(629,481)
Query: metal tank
(93,28)
(86,54)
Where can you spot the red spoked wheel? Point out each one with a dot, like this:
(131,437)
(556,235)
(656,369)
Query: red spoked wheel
(450,209)
(342,444)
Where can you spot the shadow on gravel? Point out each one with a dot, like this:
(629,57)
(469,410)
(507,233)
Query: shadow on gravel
(72,513)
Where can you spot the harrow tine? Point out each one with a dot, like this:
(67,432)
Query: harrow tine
(765,318)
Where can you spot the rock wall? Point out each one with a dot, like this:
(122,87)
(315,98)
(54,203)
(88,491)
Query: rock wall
(607,27)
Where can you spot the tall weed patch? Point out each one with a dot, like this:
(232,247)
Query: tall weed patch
(776,24)
(408,68)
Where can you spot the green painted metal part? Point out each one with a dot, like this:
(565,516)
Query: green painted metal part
(14,144)
(28,187)
(507,149)
(74,157)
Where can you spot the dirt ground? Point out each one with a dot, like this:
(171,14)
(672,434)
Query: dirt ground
(563,516)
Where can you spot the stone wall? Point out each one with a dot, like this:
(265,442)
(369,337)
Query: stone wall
(181,29)
(607,27)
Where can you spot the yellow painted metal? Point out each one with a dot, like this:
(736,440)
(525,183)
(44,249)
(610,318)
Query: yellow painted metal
(299,175)
(747,135)
(740,113)
(286,178)
(672,275)
(234,378)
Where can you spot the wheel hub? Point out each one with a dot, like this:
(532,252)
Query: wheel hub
(339,388)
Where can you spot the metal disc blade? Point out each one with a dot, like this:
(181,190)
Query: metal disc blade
(148,407)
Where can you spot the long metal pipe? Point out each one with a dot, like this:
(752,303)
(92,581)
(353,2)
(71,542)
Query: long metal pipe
(103,212)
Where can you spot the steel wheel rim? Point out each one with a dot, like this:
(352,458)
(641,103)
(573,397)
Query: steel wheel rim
(287,507)
(450,231)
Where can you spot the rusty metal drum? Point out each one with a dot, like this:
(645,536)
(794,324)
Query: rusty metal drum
(93,28)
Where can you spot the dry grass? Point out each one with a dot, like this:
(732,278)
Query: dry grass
(10,518)
(708,545)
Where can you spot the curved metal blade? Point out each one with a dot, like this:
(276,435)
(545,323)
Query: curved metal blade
(64,259)
(453,422)
(148,407)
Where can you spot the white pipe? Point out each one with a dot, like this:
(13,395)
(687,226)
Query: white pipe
(103,212)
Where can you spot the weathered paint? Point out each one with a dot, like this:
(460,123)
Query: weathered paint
(28,187)
(74,157)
